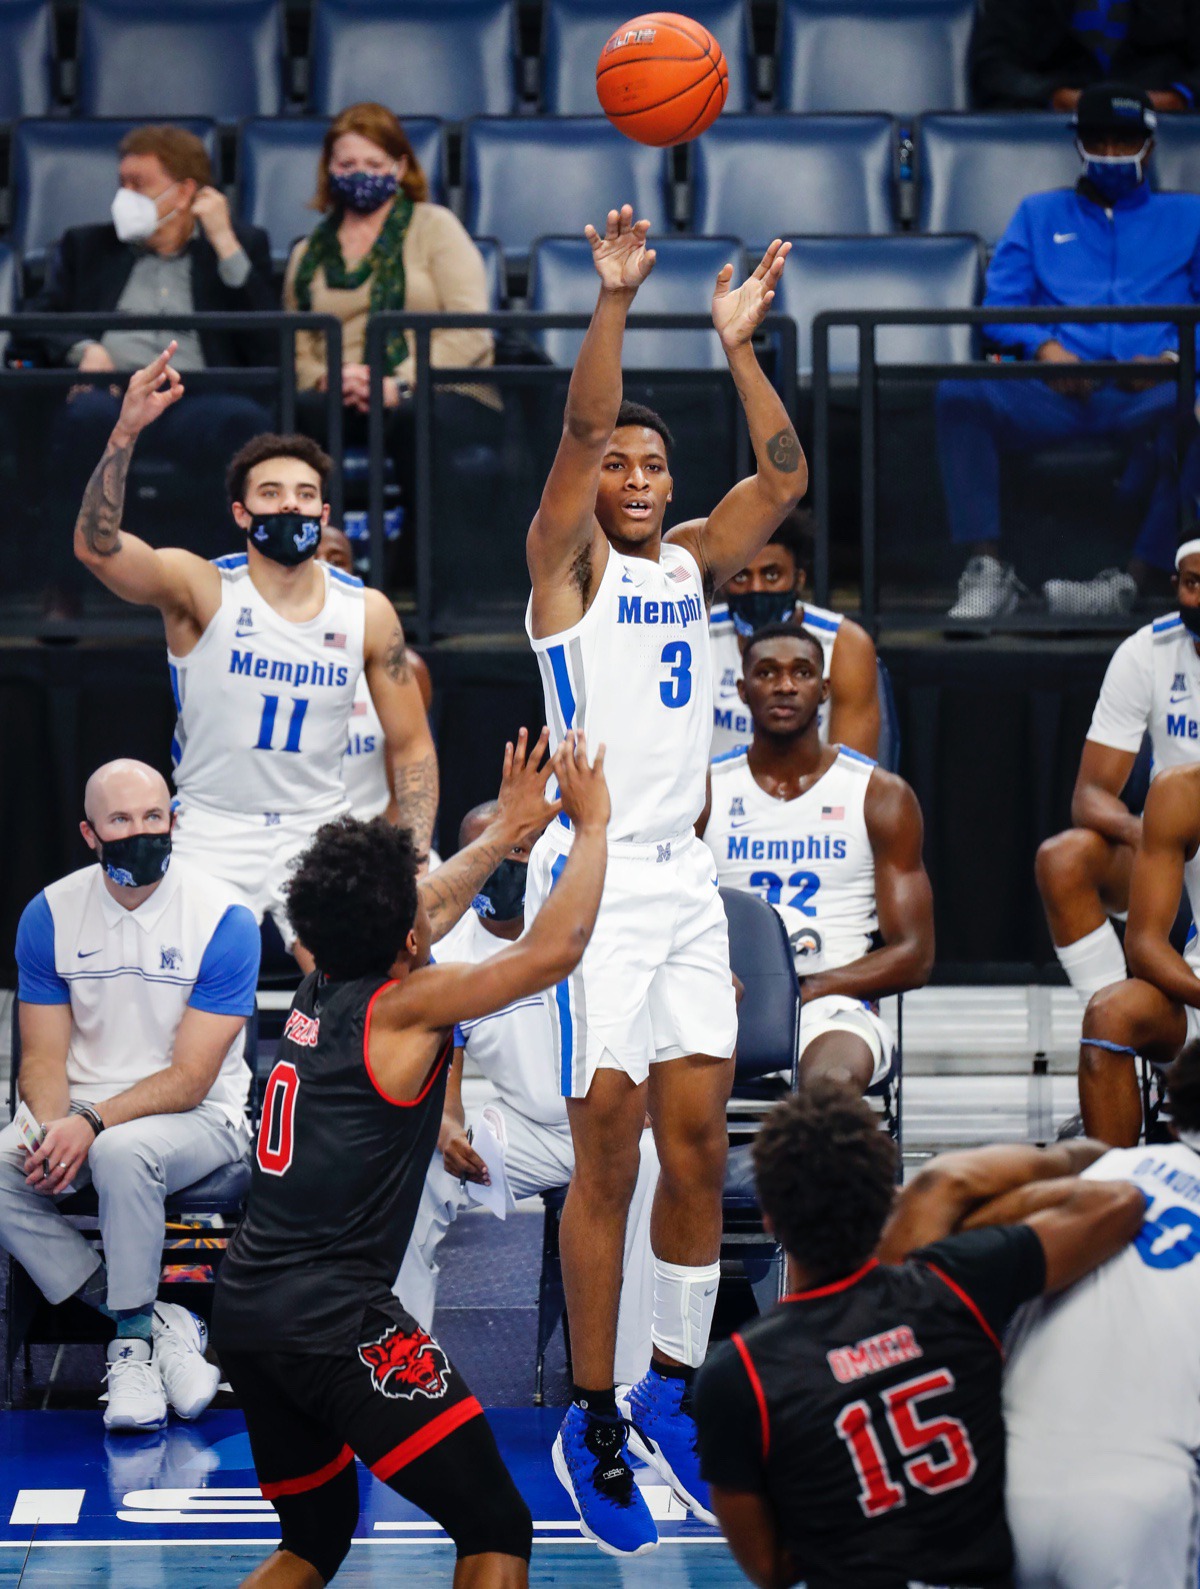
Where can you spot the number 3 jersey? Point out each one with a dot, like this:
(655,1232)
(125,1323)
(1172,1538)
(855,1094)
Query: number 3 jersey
(264,703)
(635,674)
(868,1413)
(812,854)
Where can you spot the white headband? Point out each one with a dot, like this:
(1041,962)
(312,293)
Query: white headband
(1186,550)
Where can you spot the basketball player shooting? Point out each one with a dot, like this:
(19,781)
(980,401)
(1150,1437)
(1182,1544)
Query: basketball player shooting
(618,619)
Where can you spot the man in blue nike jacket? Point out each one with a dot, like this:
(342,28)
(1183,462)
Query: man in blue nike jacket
(1110,240)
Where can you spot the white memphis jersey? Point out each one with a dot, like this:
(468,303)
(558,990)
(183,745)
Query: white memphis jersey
(364,766)
(731,717)
(636,675)
(1109,1370)
(1152,685)
(264,704)
(812,854)
(513,1047)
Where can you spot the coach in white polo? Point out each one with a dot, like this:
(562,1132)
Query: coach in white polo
(135,980)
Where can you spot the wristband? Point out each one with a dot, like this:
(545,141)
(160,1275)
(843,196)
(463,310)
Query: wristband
(90,1115)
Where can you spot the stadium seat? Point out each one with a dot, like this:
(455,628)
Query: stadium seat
(526,179)
(64,173)
(8,291)
(277,173)
(882,273)
(972,171)
(493,266)
(217,58)
(26,58)
(448,58)
(902,56)
(888,751)
(1175,165)
(562,277)
(756,177)
(574,33)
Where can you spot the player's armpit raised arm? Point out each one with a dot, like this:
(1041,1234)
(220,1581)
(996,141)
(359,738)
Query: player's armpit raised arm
(565,519)
(128,566)
(1169,832)
(409,747)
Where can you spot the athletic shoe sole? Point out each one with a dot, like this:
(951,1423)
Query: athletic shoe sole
(651,1454)
(131,1426)
(564,1478)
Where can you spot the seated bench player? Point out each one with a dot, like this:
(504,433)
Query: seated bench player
(136,978)
(771,589)
(514,1049)
(834,843)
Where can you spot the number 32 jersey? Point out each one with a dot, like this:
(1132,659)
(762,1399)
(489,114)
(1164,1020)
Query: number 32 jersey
(635,673)
(264,704)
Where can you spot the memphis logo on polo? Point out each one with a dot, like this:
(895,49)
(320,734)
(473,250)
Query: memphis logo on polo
(406,1366)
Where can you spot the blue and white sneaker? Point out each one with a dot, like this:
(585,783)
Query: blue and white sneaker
(662,1432)
(589,1458)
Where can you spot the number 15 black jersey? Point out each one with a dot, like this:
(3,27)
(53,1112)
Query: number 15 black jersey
(868,1412)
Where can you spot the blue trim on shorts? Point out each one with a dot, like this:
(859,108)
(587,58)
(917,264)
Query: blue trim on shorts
(562,997)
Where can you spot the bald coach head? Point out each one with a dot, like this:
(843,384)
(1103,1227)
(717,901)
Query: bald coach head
(127,823)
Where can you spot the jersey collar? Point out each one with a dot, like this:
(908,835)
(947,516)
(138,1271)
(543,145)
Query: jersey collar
(149,913)
(832,1289)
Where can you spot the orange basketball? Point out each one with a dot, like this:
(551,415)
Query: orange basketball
(662,79)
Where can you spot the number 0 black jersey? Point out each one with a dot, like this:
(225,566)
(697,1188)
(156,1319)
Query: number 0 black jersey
(868,1412)
(338,1174)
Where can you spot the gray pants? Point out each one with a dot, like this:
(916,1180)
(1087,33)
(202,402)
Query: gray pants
(133,1167)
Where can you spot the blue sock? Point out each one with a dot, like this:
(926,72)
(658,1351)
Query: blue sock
(94,1291)
(135,1323)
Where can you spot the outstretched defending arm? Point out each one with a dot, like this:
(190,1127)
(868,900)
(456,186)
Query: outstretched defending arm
(171,580)
(412,758)
(1168,842)
(565,526)
(743,522)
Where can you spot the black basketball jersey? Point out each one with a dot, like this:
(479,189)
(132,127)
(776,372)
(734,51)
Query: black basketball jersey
(868,1412)
(338,1174)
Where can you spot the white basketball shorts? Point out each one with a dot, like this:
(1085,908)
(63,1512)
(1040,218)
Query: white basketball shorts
(654,983)
(838,1012)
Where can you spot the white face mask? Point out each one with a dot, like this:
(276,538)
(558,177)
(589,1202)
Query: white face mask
(135,215)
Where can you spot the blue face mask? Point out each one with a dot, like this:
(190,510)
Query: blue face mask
(364,191)
(502,896)
(287,538)
(1115,177)
(753,608)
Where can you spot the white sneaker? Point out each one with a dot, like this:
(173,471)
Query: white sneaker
(987,588)
(189,1380)
(1108,595)
(135,1392)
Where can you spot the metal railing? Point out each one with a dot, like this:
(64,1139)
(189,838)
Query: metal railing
(1183,317)
(778,330)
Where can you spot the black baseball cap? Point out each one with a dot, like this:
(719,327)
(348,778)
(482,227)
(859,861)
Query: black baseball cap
(1114,108)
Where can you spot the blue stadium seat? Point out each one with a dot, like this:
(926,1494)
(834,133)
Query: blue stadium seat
(8,291)
(1176,161)
(882,273)
(26,58)
(493,266)
(562,277)
(218,58)
(277,172)
(574,33)
(526,179)
(902,56)
(972,171)
(756,177)
(64,173)
(448,58)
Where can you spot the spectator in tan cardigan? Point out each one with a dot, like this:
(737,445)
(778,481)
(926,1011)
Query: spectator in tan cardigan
(382,245)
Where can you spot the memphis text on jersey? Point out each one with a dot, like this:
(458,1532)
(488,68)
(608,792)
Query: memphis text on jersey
(297,673)
(813,847)
(632,609)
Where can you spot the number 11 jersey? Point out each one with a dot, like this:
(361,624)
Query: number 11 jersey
(264,704)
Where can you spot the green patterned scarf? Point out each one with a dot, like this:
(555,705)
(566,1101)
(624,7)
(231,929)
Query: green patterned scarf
(384,265)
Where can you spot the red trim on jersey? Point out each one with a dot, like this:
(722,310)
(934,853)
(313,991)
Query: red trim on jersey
(399,1103)
(838,1285)
(967,1302)
(760,1397)
(310,1481)
(425,1439)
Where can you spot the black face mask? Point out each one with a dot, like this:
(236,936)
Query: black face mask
(1190,618)
(754,608)
(502,897)
(287,538)
(137,861)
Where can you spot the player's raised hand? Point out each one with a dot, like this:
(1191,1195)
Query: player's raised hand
(521,805)
(620,255)
(150,392)
(581,785)
(739,311)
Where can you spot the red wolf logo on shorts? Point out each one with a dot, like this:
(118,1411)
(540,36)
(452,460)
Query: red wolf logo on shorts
(403,1366)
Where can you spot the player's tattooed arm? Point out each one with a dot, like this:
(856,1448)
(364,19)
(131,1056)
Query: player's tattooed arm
(396,661)
(416,798)
(99,521)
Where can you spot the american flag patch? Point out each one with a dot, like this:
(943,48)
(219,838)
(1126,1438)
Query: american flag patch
(359,709)
(679,575)
(337,641)
(833,813)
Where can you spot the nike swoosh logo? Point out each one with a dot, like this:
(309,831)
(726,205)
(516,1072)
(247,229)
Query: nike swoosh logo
(88,955)
(1175,699)
(1064,237)
(244,634)
(744,823)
